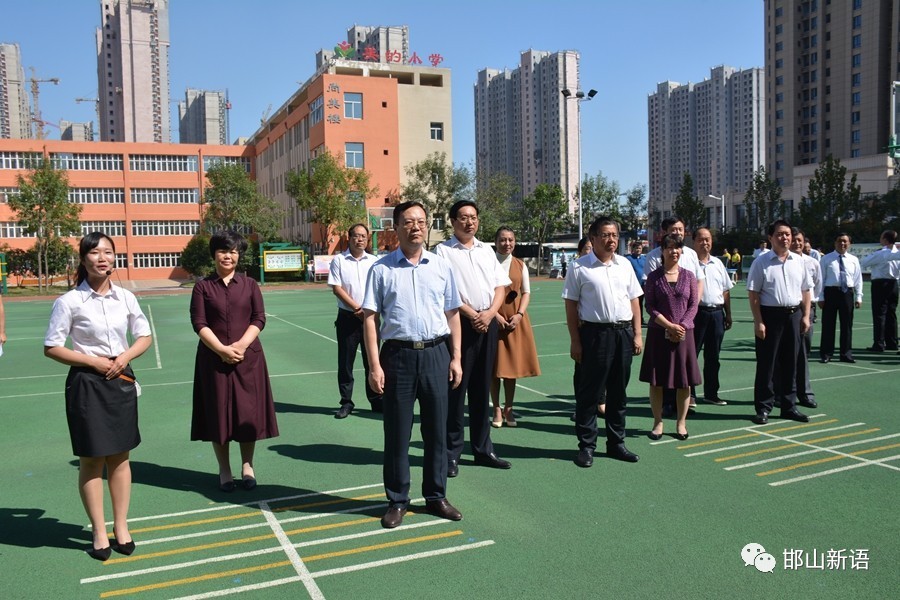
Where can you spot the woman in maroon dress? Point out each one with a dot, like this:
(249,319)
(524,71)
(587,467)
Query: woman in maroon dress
(670,360)
(232,394)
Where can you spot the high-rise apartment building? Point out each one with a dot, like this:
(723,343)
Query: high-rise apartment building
(712,130)
(15,116)
(829,69)
(203,117)
(525,127)
(377,44)
(76,132)
(133,70)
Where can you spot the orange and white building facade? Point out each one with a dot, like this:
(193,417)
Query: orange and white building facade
(146,196)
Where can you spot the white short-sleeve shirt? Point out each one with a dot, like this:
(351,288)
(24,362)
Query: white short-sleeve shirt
(350,274)
(476,271)
(604,291)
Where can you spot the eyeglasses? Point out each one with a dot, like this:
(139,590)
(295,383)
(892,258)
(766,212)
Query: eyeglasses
(608,236)
(359,236)
(410,223)
(465,219)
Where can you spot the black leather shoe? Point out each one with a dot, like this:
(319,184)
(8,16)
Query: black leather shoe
(393,517)
(248,482)
(761,418)
(848,359)
(127,548)
(101,554)
(491,460)
(452,468)
(442,509)
(794,415)
(585,458)
(875,349)
(344,411)
(825,359)
(808,403)
(621,453)
(227,487)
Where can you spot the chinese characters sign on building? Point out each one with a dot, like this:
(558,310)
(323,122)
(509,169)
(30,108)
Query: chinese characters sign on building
(345,50)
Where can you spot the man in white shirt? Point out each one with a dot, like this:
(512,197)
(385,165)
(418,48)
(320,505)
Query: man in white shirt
(482,283)
(805,395)
(347,279)
(763,248)
(713,315)
(843,291)
(885,265)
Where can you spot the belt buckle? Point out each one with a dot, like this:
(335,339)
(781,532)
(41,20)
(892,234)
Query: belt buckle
(418,345)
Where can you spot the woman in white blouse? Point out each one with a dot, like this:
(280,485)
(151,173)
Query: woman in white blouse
(101,392)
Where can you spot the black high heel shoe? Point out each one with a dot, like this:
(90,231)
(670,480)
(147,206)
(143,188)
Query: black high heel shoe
(127,548)
(680,436)
(101,554)
(654,436)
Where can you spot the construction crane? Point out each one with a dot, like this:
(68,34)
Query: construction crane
(96,102)
(265,115)
(35,104)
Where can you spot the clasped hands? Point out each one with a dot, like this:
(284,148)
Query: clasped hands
(482,321)
(232,354)
(675,333)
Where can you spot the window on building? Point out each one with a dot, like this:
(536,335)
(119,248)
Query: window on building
(857,22)
(779,46)
(854,136)
(437,131)
(779,63)
(856,99)
(856,80)
(857,60)
(316,111)
(779,131)
(353,107)
(854,116)
(778,29)
(857,4)
(857,41)
(779,80)
(353,155)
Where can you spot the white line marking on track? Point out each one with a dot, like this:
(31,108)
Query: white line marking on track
(830,451)
(769,441)
(736,430)
(533,325)
(155,338)
(807,452)
(879,462)
(292,554)
(306,330)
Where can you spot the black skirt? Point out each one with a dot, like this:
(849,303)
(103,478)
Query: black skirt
(102,415)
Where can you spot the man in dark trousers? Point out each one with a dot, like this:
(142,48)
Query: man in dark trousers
(482,283)
(420,353)
(885,265)
(843,291)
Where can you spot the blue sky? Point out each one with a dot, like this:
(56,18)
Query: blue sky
(261,49)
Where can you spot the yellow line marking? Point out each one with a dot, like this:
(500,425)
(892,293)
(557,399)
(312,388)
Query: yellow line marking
(754,434)
(825,460)
(253,514)
(807,442)
(284,563)
(248,540)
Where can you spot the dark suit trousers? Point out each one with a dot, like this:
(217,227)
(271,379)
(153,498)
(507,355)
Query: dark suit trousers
(884,313)
(776,360)
(349,331)
(479,351)
(709,331)
(411,374)
(605,364)
(837,303)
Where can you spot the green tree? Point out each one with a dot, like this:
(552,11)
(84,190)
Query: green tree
(334,195)
(831,201)
(494,194)
(437,184)
(232,201)
(762,202)
(18,262)
(688,206)
(195,258)
(61,258)
(544,212)
(600,196)
(634,210)
(42,208)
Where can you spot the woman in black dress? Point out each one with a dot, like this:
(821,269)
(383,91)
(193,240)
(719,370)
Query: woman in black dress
(101,392)
(232,394)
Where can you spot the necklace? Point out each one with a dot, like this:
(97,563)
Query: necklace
(672,272)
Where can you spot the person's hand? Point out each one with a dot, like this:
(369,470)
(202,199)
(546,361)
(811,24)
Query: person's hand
(376,378)
(727,322)
(515,320)
(638,345)
(2,338)
(101,364)
(821,304)
(482,320)
(359,313)
(455,372)
(759,329)
(231,355)
(804,324)
(116,367)
(502,323)
(857,304)
(575,351)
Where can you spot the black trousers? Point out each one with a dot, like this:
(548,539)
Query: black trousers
(605,364)
(349,337)
(410,374)
(885,293)
(776,359)
(709,331)
(479,352)
(804,387)
(837,303)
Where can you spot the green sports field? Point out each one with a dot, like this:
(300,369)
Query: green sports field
(673,525)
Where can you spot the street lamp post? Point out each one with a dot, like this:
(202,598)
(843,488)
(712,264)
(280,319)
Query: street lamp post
(579,96)
(722,199)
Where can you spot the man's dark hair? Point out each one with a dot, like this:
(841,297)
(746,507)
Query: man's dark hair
(770,230)
(669,221)
(352,227)
(890,236)
(843,234)
(405,206)
(601,221)
(460,204)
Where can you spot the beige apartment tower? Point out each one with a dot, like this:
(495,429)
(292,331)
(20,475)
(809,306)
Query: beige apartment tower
(133,71)
(203,117)
(15,116)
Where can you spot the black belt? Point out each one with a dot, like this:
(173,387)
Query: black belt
(616,325)
(712,308)
(417,345)
(782,309)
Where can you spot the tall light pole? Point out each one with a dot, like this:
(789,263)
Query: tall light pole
(579,96)
(722,198)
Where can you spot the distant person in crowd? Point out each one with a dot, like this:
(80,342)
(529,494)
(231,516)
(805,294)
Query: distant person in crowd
(805,395)
(585,248)
(101,390)
(232,394)
(808,249)
(564,266)
(675,226)
(347,279)
(637,260)
(671,358)
(604,322)
(885,266)
(736,263)
(778,290)
(481,282)
(726,258)
(843,291)
(421,352)
(763,248)
(516,351)
(713,315)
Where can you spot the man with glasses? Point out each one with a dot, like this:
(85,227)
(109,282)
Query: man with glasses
(413,292)
(482,287)
(347,279)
